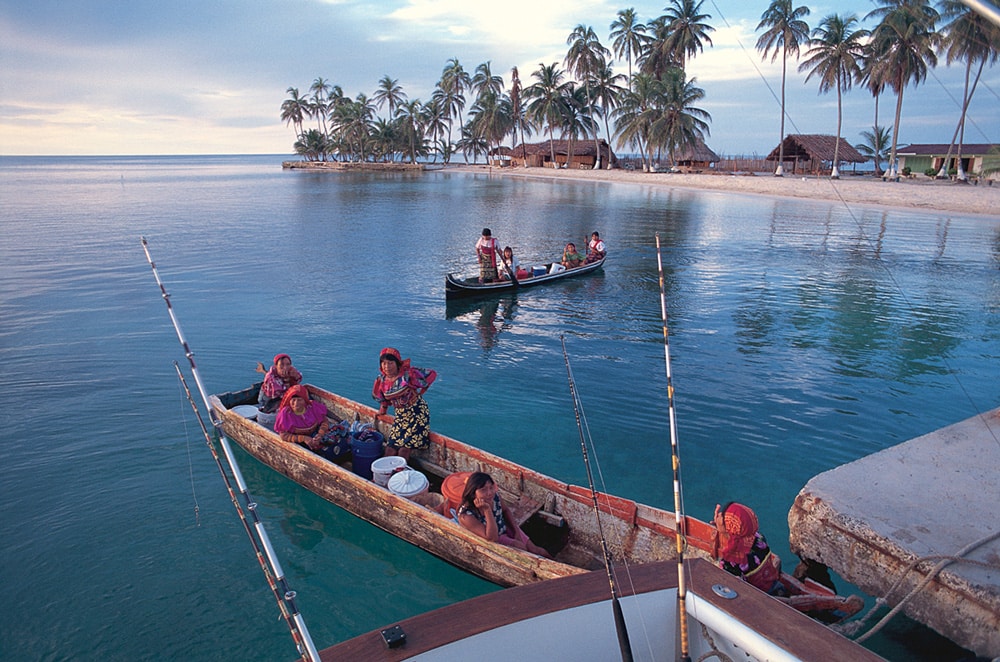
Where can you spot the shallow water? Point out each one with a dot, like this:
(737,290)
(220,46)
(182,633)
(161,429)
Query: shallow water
(802,335)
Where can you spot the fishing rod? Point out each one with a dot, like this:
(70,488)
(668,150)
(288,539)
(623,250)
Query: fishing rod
(271,581)
(623,641)
(306,646)
(676,462)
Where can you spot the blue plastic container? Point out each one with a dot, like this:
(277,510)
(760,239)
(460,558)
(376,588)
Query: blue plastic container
(364,451)
(538,271)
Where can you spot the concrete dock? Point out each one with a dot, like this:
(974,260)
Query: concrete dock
(932,497)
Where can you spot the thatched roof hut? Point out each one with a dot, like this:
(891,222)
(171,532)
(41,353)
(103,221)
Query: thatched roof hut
(696,156)
(815,152)
(540,154)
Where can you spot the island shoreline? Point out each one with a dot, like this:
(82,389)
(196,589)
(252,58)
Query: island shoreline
(921,193)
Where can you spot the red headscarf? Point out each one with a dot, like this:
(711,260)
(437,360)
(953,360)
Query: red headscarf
(278,357)
(393,352)
(298,390)
(741,524)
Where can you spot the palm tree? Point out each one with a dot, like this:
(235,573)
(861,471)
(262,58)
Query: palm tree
(490,118)
(835,54)
(576,121)
(971,37)
(656,58)
(786,30)
(635,115)
(680,124)
(586,56)
(871,80)
(875,146)
(607,92)
(628,37)
(687,31)
(389,92)
(435,123)
(411,127)
(294,110)
(905,40)
(320,89)
(548,96)
(483,81)
(517,111)
(454,82)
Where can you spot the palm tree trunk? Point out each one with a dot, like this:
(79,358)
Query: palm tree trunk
(893,170)
(878,166)
(961,137)
(835,173)
(779,171)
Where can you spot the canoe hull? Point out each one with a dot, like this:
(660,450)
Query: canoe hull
(641,533)
(456,287)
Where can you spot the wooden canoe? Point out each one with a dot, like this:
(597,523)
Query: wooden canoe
(558,516)
(456,287)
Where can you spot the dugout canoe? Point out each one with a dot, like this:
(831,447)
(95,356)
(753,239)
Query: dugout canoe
(456,287)
(557,515)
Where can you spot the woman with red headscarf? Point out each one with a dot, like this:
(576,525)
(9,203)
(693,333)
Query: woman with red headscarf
(400,386)
(743,551)
(303,421)
(277,380)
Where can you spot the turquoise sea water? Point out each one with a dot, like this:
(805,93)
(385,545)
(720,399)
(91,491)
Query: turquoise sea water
(803,335)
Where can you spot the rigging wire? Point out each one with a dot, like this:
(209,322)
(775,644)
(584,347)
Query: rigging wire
(187,446)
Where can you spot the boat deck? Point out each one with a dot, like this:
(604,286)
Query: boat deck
(933,496)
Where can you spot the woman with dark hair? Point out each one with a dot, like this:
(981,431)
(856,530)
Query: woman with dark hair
(483,512)
(277,379)
(488,254)
(400,386)
(303,421)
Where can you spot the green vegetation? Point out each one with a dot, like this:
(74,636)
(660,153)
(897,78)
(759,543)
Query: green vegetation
(653,110)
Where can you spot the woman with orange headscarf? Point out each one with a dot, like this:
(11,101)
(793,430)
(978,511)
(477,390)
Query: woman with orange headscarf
(742,551)
(303,421)
(400,386)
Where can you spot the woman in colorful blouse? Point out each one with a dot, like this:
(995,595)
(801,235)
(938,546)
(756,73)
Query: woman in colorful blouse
(596,250)
(484,513)
(303,421)
(743,551)
(401,386)
(277,380)
(487,252)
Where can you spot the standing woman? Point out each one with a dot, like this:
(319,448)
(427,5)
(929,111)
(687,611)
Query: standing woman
(487,249)
(401,386)
(278,379)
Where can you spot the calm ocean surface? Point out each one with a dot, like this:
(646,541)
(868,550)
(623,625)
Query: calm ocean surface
(803,336)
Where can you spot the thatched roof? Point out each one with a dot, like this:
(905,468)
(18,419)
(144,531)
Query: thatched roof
(801,147)
(698,152)
(582,147)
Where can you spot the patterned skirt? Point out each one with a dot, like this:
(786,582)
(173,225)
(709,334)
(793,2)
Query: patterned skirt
(412,426)
(487,270)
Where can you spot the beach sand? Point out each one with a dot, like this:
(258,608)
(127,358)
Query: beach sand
(920,192)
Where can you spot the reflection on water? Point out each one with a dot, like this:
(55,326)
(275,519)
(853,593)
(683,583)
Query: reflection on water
(490,315)
(803,335)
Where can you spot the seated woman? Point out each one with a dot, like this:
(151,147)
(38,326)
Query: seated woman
(742,550)
(596,249)
(483,513)
(277,380)
(509,264)
(570,257)
(303,421)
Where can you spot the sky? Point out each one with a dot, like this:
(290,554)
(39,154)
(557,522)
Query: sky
(142,77)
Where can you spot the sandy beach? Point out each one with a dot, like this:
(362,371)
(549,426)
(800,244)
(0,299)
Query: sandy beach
(920,192)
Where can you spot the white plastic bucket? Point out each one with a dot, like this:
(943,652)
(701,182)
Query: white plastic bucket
(384,467)
(556,268)
(267,420)
(408,484)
